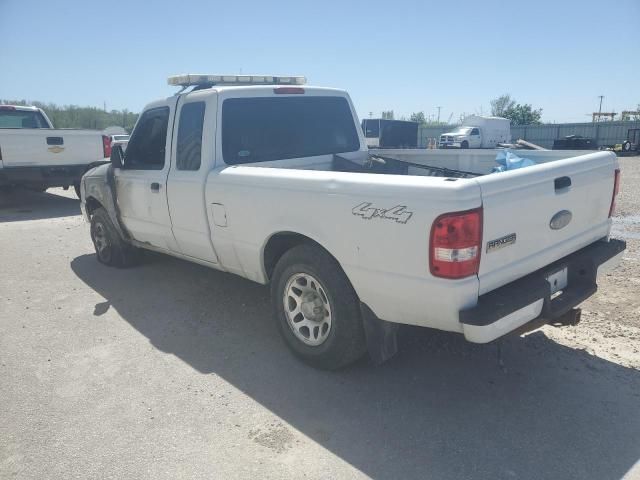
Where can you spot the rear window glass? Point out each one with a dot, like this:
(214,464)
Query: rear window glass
(21,119)
(272,128)
(190,126)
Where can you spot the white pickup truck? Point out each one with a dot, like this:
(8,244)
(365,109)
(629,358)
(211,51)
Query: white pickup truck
(271,180)
(478,132)
(35,155)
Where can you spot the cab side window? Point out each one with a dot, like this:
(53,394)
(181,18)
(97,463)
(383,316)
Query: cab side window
(189,149)
(146,148)
(475,131)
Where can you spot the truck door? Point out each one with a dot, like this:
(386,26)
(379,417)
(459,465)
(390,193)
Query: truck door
(141,183)
(475,141)
(193,154)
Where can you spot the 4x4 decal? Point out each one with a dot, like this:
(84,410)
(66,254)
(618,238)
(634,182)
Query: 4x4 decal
(399,213)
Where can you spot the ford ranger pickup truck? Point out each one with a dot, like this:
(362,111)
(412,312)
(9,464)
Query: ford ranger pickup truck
(35,155)
(271,179)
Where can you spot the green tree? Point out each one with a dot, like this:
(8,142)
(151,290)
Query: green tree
(387,114)
(523,115)
(418,117)
(501,104)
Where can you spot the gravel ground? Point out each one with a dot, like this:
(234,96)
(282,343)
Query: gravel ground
(171,370)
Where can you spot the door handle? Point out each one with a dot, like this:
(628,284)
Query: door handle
(55,141)
(562,182)
(155,187)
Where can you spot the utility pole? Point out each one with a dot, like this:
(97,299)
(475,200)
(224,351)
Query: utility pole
(438,113)
(600,108)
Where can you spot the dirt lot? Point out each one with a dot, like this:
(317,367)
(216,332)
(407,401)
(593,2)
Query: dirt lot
(170,370)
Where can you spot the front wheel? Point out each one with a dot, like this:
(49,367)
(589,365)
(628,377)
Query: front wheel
(464,144)
(316,308)
(111,250)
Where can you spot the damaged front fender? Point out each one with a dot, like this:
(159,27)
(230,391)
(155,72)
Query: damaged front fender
(100,191)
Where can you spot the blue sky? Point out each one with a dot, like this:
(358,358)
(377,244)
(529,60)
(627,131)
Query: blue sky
(403,55)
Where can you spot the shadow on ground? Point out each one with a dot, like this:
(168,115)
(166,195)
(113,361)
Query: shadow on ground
(442,408)
(18,205)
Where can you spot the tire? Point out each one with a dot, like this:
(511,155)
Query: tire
(321,284)
(76,187)
(464,144)
(111,250)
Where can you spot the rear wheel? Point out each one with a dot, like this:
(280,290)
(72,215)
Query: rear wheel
(316,308)
(111,250)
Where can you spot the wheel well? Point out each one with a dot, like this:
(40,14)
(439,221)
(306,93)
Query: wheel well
(92,205)
(279,244)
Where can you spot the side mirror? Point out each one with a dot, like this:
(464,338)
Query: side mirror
(117,156)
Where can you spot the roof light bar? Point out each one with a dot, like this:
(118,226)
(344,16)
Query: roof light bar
(190,79)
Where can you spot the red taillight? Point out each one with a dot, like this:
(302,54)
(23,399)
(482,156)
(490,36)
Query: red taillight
(455,244)
(288,90)
(106,146)
(616,189)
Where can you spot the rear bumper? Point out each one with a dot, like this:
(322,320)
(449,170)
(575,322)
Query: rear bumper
(45,176)
(528,299)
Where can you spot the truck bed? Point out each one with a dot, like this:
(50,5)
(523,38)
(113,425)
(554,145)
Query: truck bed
(418,162)
(517,206)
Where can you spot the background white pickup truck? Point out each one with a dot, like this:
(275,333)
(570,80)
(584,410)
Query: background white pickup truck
(35,155)
(478,132)
(275,183)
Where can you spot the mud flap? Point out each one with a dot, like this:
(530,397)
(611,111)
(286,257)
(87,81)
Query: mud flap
(381,336)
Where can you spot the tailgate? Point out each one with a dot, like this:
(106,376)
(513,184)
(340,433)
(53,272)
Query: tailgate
(536,215)
(47,147)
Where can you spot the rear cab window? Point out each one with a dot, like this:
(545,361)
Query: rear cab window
(10,118)
(261,129)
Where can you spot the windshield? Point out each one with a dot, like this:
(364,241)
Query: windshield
(268,128)
(22,119)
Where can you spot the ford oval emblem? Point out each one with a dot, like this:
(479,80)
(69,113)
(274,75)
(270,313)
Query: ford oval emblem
(560,220)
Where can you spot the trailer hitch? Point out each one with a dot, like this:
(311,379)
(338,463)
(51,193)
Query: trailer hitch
(571,318)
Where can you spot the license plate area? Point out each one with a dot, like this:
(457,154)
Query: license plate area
(558,281)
